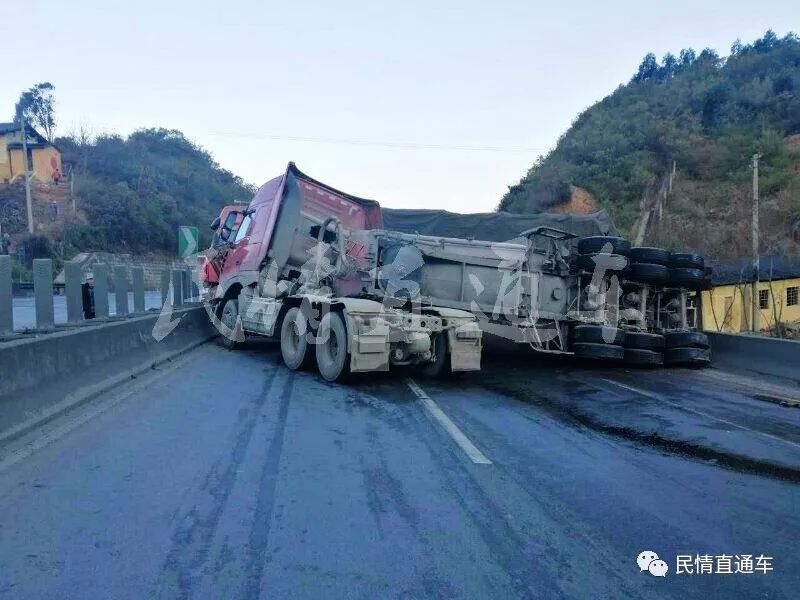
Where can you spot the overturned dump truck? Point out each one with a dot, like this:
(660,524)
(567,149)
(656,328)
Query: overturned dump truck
(299,264)
(558,283)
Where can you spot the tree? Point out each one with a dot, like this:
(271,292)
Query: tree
(709,57)
(37,105)
(686,57)
(670,65)
(766,43)
(648,69)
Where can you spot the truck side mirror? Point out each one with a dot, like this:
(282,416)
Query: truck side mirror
(215,224)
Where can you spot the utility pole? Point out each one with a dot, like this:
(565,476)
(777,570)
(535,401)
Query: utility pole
(756,314)
(28,201)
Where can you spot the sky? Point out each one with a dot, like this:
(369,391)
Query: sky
(417,104)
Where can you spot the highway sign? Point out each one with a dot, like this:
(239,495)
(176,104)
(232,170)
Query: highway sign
(188,241)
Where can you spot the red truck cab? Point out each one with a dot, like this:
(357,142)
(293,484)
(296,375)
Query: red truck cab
(249,236)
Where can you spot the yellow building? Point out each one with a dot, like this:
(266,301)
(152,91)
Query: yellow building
(727,306)
(43,157)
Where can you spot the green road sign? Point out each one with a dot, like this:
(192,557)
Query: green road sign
(188,241)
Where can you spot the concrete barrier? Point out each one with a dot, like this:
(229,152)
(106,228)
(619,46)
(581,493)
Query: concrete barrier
(764,355)
(6,311)
(41,376)
(72,289)
(185,292)
(43,291)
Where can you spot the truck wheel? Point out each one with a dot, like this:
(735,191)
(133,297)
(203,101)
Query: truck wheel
(297,353)
(646,273)
(690,357)
(333,359)
(643,254)
(599,334)
(229,316)
(599,243)
(692,339)
(685,260)
(586,262)
(598,351)
(643,340)
(439,364)
(640,356)
(692,279)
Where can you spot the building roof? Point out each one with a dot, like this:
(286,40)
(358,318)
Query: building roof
(8,127)
(741,271)
(14,127)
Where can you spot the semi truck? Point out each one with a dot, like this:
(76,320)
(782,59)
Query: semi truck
(298,264)
(566,284)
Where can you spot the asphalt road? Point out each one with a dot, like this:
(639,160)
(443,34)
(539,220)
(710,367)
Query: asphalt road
(224,475)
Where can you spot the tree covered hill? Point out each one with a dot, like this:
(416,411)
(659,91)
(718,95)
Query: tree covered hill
(134,192)
(705,114)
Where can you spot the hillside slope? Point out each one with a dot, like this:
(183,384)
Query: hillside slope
(705,116)
(134,192)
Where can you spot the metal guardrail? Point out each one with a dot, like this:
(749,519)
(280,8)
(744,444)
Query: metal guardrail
(176,281)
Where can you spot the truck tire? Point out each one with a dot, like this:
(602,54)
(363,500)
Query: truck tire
(646,273)
(599,334)
(229,316)
(644,341)
(689,357)
(597,243)
(333,359)
(692,279)
(684,260)
(687,339)
(641,356)
(586,262)
(598,351)
(440,365)
(643,254)
(296,352)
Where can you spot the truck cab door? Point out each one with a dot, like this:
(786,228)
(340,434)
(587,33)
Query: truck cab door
(237,249)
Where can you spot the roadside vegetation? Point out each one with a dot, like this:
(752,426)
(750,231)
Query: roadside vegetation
(134,192)
(704,115)
(131,192)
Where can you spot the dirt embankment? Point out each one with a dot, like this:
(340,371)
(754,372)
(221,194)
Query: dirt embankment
(581,202)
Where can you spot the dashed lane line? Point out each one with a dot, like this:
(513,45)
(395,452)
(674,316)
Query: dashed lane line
(451,428)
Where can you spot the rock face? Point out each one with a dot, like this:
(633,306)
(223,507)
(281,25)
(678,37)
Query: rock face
(153,266)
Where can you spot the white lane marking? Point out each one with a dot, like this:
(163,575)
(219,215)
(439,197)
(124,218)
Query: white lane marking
(661,398)
(458,436)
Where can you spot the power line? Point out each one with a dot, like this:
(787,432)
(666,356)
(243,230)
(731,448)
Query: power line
(382,144)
